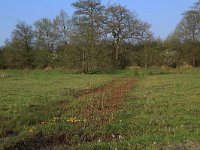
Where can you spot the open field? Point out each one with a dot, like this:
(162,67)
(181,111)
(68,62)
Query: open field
(129,109)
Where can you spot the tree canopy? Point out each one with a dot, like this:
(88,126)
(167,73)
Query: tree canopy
(100,37)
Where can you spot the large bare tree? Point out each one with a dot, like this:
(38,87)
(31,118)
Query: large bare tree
(45,36)
(188,30)
(22,40)
(88,19)
(62,27)
(122,27)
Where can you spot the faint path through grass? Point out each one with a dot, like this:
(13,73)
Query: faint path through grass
(104,101)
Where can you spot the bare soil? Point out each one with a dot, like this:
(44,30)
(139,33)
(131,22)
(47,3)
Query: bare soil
(110,98)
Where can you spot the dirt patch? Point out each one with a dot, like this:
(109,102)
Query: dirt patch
(79,93)
(108,101)
(83,92)
(8,134)
(67,140)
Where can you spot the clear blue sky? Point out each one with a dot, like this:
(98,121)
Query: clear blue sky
(163,15)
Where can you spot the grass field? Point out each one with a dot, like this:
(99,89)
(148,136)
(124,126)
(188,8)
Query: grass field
(129,109)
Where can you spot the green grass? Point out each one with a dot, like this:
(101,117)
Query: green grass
(30,97)
(161,111)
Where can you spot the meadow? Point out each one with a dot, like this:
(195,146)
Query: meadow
(123,109)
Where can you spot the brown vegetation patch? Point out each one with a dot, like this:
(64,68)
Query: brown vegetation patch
(84,92)
(79,93)
(66,140)
(109,99)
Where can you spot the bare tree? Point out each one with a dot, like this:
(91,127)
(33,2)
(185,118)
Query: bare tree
(44,34)
(122,27)
(188,30)
(88,18)
(22,39)
(62,26)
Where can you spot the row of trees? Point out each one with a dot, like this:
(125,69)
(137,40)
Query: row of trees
(185,40)
(99,37)
(94,37)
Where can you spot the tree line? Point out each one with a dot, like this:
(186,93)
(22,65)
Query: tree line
(97,37)
(185,40)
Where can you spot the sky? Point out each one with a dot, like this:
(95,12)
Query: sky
(163,15)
